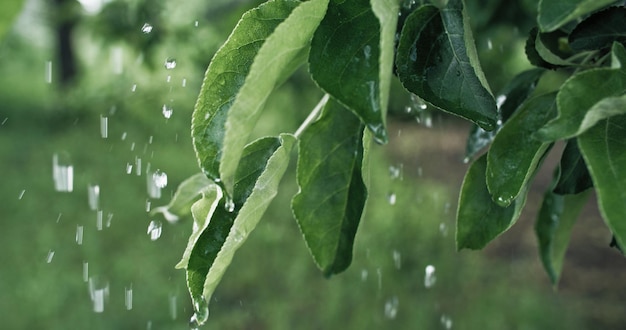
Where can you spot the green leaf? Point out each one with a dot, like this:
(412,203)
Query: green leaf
(479,219)
(577,97)
(553,48)
(346,60)
(555,13)
(514,153)
(600,30)
(437,60)
(508,101)
(225,77)
(186,193)
(332,194)
(574,176)
(262,166)
(553,228)
(533,55)
(603,148)
(8,14)
(618,57)
(283,51)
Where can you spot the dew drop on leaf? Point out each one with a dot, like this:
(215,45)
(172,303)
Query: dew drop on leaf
(429,277)
(154,229)
(229,205)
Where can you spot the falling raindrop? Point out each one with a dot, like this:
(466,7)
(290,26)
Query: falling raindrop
(201,313)
(85,271)
(50,256)
(129,168)
(429,277)
(134,88)
(62,174)
(395,172)
(154,229)
(117,57)
(148,205)
(160,179)
(109,219)
(128,297)
(79,234)
(21,195)
(93,195)
(99,292)
(184,84)
(173,304)
(167,111)
(7,118)
(489,44)
(446,321)
(195,23)
(364,275)
(397,259)
(391,308)
(170,63)
(104,127)
(137,165)
(99,220)
(49,72)
(443,229)
(146,28)
(391,198)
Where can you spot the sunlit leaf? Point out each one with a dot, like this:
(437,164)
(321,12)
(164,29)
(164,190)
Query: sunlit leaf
(556,13)
(186,193)
(553,228)
(603,148)
(509,99)
(283,51)
(332,194)
(225,77)
(479,219)
(345,60)
(574,176)
(436,60)
(8,14)
(600,30)
(514,153)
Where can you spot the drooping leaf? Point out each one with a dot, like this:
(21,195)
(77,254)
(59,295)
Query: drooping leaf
(533,55)
(574,176)
(555,13)
(514,153)
(281,53)
(479,219)
(553,48)
(509,99)
(225,77)
(578,95)
(8,14)
(436,59)
(345,60)
(186,193)
(603,148)
(600,30)
(553,228)
(332,194)
(222,225)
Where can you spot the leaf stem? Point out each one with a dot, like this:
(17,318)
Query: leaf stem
(312,116)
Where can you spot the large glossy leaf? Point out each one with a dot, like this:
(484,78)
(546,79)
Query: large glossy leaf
(185,195)
(553,228)
(283,51)
(600,30)
(479,219)
(514,153)
(603,148)
(8,14)
(509,99)
(225,77)
(436,59)
(555,13)
(345,60)
(551,49)
(578,95)
(574,176)
(332,194)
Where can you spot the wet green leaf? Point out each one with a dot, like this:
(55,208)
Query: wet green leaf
(186,193)
(332,194)
(8,14)
(600,30)
(437,60)
(553,228)
(555,13)
(603,148)
(346,60)
(533,55)
(574,176)
(514,153)
(579,95)
(479,219)
(225,78)
(281,53)
(509,100)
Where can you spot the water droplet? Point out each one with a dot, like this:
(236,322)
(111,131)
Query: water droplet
(99,292)
(50,256)
(4,121)
(117,60)
(146,28)
(364,275)
(397,259)
(134,88)
(49,72)
(104,127)
(128,297)
(395,172)
(85,271)
(195,23)
(79,234)
(391,198)
(229,204)
(367,51)
(443,229)
(93,195)
(466,160)
(504,201)
(446,321)
(160,179)
(99,219)
(184,84)
(489,44)
(201,313)
(429,277)
(154,229)
(173,306)
(167,111)
(137,164)
(148,205)
(170,63)
(129,168)
(62,173)
(21,195)
(500,100)
(391,308)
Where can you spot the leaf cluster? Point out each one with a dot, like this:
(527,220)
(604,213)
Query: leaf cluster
(352,50)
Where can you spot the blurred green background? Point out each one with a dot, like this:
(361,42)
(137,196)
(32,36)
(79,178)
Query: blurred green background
(107,88)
